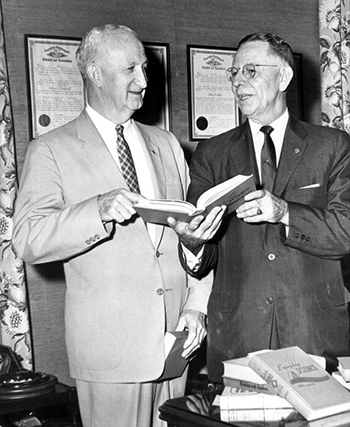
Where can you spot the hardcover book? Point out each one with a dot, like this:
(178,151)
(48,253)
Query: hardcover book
(239,369)
(229,193)
(344,367)
(262,415)
(175,364)
(247,385)
(232,398)
(295,376)
(238,405)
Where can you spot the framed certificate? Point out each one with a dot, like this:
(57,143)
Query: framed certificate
(213,109)
(55,85)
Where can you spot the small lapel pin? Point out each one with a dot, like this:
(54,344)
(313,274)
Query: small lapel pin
(296,150)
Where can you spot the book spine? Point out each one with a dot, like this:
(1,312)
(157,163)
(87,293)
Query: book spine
(248,386)
(281,387)
(247,400)
(231,415)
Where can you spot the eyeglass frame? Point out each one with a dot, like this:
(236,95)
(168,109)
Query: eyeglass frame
(231,78)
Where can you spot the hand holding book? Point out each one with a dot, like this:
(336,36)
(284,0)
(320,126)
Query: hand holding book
(229,193)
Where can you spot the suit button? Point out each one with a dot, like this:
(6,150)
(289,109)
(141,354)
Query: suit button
(157,254)
(271,257)
(269,300)
(160,291)
(88,241)
(97,237)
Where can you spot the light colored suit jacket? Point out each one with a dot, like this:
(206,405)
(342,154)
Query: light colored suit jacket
(262,275)
(123,292)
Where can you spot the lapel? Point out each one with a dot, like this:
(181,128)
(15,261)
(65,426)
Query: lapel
(96,152)
(242,154)
(294,145)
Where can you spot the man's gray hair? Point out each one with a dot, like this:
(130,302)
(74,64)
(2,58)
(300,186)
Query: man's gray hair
(95,39)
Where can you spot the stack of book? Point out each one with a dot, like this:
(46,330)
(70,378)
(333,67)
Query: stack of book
(241,405)
(285,384)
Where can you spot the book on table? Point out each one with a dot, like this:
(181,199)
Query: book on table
(295,376)
(238,374)
(339,377)
(230,193)
(238,405)
(239,369)
(247,385)
(344,367)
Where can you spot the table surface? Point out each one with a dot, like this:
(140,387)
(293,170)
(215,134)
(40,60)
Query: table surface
(197,410)
(61,395)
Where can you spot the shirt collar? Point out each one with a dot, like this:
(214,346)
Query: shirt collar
(104,125)
(279,125)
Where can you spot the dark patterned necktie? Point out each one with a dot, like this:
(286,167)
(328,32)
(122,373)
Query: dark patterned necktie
(268,160)
(126,161)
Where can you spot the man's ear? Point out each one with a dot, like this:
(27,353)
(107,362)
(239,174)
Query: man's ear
(93,71)
(286,75)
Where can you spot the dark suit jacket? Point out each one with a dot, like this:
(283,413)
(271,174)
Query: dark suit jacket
(260,273)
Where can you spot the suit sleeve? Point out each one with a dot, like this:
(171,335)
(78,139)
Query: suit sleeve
(201,180)
(46,229)
(324,231)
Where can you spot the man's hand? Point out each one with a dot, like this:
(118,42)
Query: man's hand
(197,232)
(262,206)
(195,322)
(117,205)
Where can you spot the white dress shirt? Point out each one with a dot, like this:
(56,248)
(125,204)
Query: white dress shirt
(277,136)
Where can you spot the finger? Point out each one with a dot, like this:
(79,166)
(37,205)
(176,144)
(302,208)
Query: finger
(195,223)
(187,353)
(258,194)
(213,222)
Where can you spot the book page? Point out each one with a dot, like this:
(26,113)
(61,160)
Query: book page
(216,192)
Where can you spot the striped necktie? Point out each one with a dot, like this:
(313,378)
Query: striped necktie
(126,161)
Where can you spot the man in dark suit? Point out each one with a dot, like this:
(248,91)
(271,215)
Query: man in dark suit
(278,280)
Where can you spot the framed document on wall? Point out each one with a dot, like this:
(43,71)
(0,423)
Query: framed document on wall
(56,92)
(213,109)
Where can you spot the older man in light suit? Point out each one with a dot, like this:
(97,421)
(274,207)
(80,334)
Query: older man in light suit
(125,285)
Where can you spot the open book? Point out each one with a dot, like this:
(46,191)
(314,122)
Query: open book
(229,193)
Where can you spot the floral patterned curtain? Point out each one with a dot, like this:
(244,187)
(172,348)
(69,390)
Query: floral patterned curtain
(14,316)
(334,29)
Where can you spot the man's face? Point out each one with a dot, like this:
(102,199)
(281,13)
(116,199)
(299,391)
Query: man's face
(259,98)
(123,78)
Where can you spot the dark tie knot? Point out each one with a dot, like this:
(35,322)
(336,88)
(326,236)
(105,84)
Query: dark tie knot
(267,129)
(119,129)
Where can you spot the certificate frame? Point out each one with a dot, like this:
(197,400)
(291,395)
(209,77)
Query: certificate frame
(156,109)
(212,106)
(56,91)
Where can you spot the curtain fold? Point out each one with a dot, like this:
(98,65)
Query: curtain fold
(14,315)
(334,37)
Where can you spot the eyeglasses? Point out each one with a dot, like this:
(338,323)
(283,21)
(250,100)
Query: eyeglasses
(249,71)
